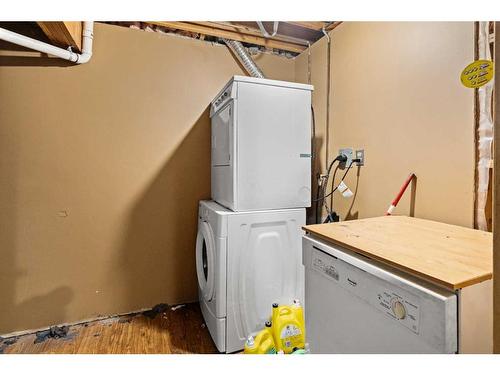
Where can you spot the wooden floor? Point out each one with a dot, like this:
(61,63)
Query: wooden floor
(173,331)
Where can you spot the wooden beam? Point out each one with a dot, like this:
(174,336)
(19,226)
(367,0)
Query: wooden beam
(312,25)
(235,34)
(64,34)
(285,30)
(333,25)
(496,202)
(251,31)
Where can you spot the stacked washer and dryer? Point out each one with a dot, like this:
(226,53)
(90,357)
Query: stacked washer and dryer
(248,247)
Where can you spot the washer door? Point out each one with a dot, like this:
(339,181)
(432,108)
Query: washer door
(205,260)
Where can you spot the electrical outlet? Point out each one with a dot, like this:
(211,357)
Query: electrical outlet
(347,152)
(360,154)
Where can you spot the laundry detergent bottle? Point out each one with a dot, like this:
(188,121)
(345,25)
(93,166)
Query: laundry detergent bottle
(263,343)
(288,327)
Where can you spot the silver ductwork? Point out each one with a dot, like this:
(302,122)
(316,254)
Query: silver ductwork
(244,58)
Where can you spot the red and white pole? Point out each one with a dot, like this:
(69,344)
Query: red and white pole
(395,202)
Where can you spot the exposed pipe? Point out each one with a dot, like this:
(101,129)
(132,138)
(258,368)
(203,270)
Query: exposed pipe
(328,92)
(245,59)
(66,54)
(264,31)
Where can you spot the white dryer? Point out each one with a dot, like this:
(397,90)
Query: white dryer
(261,144)
(245,261)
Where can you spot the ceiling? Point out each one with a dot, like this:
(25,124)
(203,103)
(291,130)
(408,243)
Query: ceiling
(291,36)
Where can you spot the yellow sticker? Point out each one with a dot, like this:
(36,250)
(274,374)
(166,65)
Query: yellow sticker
(477,74)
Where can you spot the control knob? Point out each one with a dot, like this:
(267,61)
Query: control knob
(398,309)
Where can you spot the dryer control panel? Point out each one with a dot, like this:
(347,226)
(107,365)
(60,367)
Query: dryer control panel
(227,94)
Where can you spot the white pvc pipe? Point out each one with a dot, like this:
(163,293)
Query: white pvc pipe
(66,54)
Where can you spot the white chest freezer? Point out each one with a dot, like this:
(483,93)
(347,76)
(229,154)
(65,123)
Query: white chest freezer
(261,145)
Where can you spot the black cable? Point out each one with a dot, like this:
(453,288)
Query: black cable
(313,135)
(330,217)
(333,180)
(326,178)
(345,174)
(313,158)
(316,201)
(324,185)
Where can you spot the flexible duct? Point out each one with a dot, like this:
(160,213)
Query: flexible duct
(244,58)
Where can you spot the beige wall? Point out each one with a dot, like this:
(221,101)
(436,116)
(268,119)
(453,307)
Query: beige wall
(101,167)
(102,164)
(396,93)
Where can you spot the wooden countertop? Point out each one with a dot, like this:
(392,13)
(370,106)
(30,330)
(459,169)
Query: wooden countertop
(448,255)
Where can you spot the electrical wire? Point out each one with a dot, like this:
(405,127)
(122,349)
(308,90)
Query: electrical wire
(326,178)
(313,158)
(313,135)
(336,187)
(328,84)
(333,177)
(316,204)
(322,186)
(329,209)
(333,184)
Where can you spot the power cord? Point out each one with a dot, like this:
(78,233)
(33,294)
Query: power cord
(345,174)
(325,178)
(323,184)
(331,215)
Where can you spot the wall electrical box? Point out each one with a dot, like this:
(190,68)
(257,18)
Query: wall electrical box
(360,154)
(348,153)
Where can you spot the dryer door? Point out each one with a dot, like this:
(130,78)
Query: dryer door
(205,260)
(221,131)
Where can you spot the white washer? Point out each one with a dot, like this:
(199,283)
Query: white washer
(261,144)
(245,261)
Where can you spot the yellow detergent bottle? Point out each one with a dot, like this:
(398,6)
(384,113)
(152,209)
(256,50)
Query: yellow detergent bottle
(288,327)
(263,343)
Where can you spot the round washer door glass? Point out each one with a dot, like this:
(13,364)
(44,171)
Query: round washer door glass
(205,260)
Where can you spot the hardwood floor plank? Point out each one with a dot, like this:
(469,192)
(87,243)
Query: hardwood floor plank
(181,332)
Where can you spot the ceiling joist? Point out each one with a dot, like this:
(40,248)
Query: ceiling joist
(312,25)
(332,25)
(223,30)
(252,31)
(64,34)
